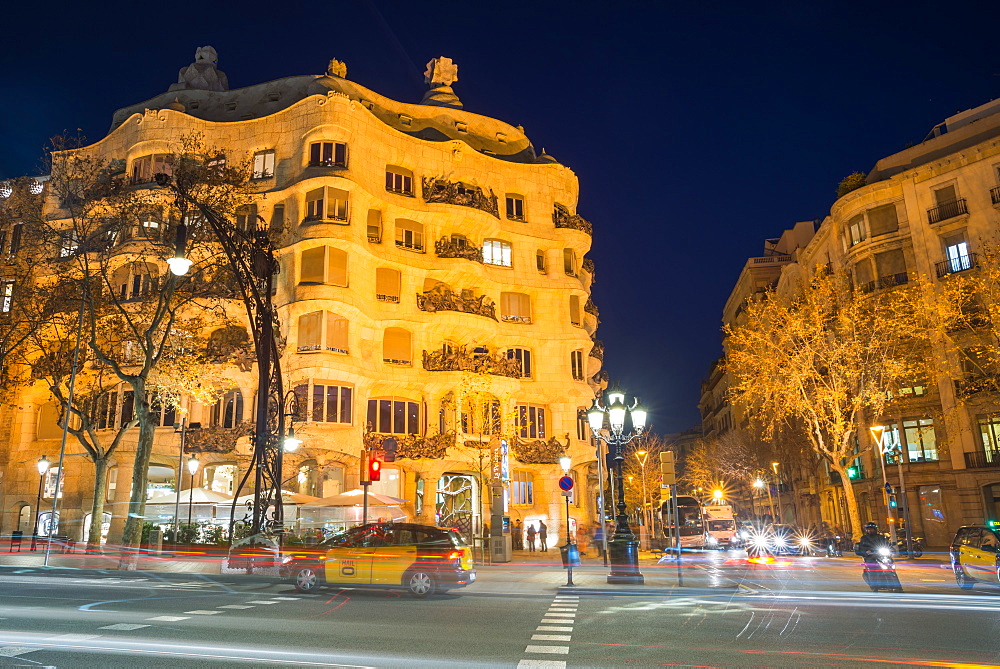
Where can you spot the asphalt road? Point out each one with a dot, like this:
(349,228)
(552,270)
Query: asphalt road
(798,612)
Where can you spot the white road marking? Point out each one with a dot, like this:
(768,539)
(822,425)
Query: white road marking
(235,606)
(550,628)
(199,612)
(541,663)
(554,650)
(262,601)
(559,614)
(127,627)
(288,599)
(551,637)
(75,637)
(13,651)
(561,608)
(169,619)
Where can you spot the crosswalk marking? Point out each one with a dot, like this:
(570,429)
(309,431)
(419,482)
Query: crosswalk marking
(235,606)
(551,637)
(262,601)
(169,619)
(14,651)
(542,663)
(126,627)
(549,628)
(555,650)
(199,612)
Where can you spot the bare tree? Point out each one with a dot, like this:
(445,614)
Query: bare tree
(824,359)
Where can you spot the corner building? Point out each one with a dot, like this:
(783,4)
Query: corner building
(431,260)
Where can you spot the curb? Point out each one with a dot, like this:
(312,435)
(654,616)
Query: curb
(652,591)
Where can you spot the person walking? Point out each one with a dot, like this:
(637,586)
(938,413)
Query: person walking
(517,538)
(599,539)
(531,538)
(543,533)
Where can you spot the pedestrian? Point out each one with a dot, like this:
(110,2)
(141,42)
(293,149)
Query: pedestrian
(531,538)
(518,536)
(599,539)
(543,533)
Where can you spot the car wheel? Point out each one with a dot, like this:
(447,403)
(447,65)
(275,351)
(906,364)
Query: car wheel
(961,578)
(419,583)
(306,579)
(917,551)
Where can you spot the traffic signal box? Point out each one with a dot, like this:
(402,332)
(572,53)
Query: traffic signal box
(668,474)
(374,468)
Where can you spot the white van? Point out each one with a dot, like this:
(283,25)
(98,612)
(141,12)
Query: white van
(720,525)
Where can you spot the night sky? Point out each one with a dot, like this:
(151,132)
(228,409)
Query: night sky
(697,130)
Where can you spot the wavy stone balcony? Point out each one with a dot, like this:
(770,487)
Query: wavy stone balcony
(442,298)
(455,192)
(563,219)
(446,247)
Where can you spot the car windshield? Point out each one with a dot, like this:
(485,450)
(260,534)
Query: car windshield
(721,525)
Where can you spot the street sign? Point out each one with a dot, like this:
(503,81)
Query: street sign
(566,483)
(566,493)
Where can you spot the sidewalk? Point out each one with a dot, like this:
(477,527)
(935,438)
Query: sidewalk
(527,573)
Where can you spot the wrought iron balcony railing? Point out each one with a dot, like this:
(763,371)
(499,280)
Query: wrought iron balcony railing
(995,194)
(563,219)
(955,265)
(454,192)
(948,210)
(973,385)
(982,459)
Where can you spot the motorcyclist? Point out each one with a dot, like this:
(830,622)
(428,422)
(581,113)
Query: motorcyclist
(871,542)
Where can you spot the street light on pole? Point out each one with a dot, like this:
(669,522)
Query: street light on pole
(193,469)
(643,456)
(878,435)
(43,467)
(777,489)
(623,547)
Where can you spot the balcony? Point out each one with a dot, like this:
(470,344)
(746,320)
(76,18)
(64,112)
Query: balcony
(563,219)
(946,211)
(973,385)
(995,194)
(442,298)
(955,265)
(464,195)
(479,360)
(982,460)
(887,281)
(449,247)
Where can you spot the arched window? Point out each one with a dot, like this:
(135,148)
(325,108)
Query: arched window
(134,281)
(522,355)
(228,411)
(515,308)
(497,252)
(409,235)
(396,346)
(569,262)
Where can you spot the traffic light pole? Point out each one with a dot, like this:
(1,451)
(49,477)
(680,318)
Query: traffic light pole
(364,484)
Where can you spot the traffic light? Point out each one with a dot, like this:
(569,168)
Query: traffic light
(374,468)
(892,501)
(389,447)
(668,476)
(853,473)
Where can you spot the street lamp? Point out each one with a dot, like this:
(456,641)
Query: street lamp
(291,443)
(43,467)
(193,469)
(878,434)
(717,496)
(646,509)
(777,488)
(623,548)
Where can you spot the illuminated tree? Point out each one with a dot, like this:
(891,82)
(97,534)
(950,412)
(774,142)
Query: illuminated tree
(823,359)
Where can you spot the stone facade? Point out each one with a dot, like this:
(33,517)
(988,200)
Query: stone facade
(380,269)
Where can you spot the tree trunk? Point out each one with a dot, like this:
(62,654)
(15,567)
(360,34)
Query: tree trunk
(97,509)
(853,513)
(132,533)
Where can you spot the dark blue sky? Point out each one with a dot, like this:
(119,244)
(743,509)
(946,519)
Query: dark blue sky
(697,129)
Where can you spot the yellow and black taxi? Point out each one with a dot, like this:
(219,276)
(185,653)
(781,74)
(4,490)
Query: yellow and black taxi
(423,559)
(975,555)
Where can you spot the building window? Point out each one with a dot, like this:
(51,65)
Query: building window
(163,416)
(576,364)
(326,204)
(582,425)
(396,346)
(956,251)
(6,296)
(524,356)
(228,411)
(323,265)
(263,164)
(11,243)
(574,311)
(394,415)
(496,252)
(883,220)
(398,180)
(921,441)
(134,281)
(328,154)
(115,408)
(531,421)
(540,261)
(325,402)
(989,433)
(374,228)
(323,331)
(515,207)
(569,262)
(387,285)
(52,480)
(522,488)
(481,416)
(515,308)
(246,218)
(856,230)
(409,235)
(144,169)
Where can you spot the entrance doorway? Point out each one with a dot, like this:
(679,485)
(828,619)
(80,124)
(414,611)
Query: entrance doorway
(457,504)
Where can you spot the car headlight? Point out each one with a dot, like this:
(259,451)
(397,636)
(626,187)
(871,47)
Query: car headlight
(711,540)
(780,541)
(744,535)
(883,551)
(805,543)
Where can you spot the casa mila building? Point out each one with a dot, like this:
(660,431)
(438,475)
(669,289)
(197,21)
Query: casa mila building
(434,286)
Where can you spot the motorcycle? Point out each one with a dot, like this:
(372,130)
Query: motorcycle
(918,547)
(880,571)
(833,546)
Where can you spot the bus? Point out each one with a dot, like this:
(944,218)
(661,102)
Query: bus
(692,522)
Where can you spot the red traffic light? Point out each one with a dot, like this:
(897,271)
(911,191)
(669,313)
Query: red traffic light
(375,470)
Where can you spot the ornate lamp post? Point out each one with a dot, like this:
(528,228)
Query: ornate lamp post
(252,258)
(193,469)
(623,548)
(43,467)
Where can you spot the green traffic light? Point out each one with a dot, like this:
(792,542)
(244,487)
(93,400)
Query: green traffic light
(852,472)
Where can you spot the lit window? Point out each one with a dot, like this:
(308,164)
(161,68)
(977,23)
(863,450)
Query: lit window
(522,488)
(145,169)
(6,295)
(393,415)
(496,252)
(323,402)
(856,230)
(326,204)
(515,308)
(263,164)
(515,207)
(531,421)
(523,356)
(328,154)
